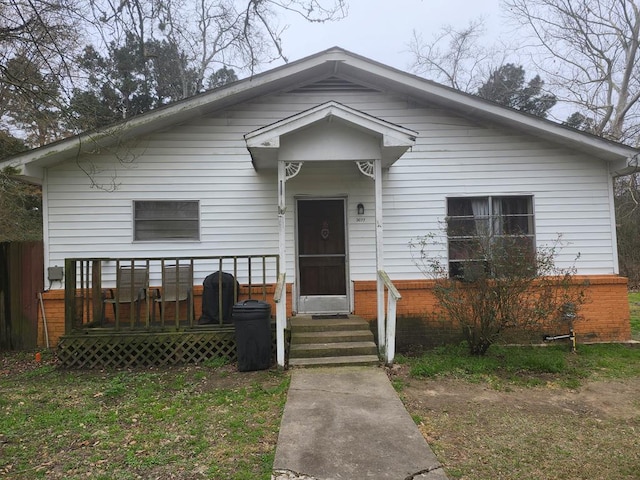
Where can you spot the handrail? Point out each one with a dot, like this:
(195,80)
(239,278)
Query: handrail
(390,330)
(277,296)
(389,284)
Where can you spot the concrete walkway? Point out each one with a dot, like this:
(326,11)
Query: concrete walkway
(348,423)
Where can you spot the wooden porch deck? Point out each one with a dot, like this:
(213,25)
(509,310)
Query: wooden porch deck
(131,335)
(134,336)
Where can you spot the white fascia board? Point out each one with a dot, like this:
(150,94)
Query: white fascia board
(269,136)
(469,104)
(90,142)
(26,172)
(32,174)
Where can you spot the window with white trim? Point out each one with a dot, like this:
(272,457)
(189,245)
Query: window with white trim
(159,220)
(475,224)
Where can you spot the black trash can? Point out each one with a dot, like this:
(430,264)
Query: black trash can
(252,319)
(211,298)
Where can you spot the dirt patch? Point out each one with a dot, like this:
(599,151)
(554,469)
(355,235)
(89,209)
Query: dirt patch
(600,400)
(14,363)
(228,377)
(550,432)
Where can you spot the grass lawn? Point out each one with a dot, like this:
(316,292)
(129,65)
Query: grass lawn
(193,422)
(517,413)
(528,413)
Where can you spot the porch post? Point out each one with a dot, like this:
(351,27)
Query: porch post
(377,179)
(281,306)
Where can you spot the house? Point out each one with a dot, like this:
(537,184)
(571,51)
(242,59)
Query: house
(323,171)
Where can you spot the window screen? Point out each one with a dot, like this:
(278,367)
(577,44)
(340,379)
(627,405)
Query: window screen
(166,220)
(477,223)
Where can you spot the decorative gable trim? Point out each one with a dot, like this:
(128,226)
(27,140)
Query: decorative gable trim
(394,140)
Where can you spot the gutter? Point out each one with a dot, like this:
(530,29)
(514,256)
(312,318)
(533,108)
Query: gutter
(632,166)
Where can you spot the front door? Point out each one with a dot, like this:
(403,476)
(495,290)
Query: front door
(322,258)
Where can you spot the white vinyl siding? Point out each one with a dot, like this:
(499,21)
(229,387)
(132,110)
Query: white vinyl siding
(206,160)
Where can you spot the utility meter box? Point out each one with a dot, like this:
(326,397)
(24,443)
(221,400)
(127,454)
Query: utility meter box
(55,274)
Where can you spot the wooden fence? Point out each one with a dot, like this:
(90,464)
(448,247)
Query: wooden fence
(21,280)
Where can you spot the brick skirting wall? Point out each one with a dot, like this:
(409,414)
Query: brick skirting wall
(54,309)
(604,316)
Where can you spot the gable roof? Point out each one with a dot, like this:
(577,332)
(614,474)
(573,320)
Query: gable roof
(264,143)
(332,65)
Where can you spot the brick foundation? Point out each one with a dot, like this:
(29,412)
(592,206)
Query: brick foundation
(604,317)
(605,314)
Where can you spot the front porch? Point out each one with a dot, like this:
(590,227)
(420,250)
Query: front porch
(123,312)
(110,321)
(90,333)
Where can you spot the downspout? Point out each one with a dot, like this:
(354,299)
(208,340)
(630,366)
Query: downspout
(45,224)
(613,228)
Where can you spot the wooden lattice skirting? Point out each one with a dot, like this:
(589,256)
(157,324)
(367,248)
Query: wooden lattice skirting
(134,349)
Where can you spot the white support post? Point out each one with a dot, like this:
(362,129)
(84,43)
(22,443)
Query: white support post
(377,179)
(281,307)
(391,330)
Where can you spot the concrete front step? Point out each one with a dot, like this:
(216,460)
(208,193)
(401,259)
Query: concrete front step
(354,360)
(331,342)
(332,349)
(307,324)
(332,336)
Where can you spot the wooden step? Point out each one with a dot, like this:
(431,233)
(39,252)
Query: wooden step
(332,336)
(332,349)
(355,360)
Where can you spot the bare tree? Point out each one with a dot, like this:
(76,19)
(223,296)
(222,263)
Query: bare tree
(38,42)
(207,35)
(457,57)
(589,52)
(211,34)
(205,38)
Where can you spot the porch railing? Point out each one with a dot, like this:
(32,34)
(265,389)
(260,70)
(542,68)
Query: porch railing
(91,281)
(390,331)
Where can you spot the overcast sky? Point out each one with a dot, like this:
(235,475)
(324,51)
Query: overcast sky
(382,29)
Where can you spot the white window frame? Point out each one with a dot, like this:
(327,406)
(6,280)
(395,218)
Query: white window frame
(162,217)
(492,220)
